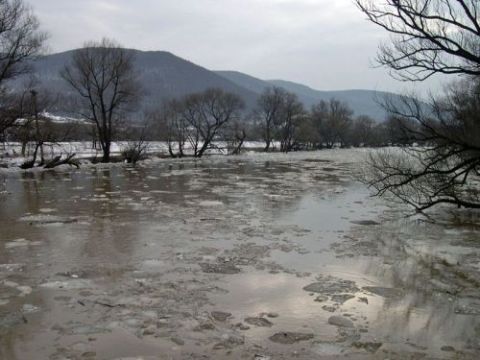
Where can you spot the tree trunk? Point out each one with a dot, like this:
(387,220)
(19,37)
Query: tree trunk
(200,152)
(170,150)
(106,153)
(267,145)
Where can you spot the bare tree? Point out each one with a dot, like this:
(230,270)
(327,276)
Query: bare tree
(268,113)
(235,135)
(13,108)
(20,38)
(446,169)
(176,128)
(332,120)
(47,136)
(362,131)
(307,136)
(428,36)
(103,75)
(23,108)
(279,113)
(432,37)
(37,132)
(400,130)
(20,41)
(204,115)
(291,115)
(137,145)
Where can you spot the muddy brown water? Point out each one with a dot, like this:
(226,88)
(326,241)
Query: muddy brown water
(254,257)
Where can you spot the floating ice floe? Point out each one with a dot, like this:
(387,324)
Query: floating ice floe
(21,243)
(29,308)
(212,203)
(11,267)
(23,289)
(46,219)
(67,285)
(47,210)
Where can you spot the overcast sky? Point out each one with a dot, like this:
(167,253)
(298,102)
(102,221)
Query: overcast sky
(325,44)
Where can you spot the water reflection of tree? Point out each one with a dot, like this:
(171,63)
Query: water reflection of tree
(104,238)
(31,193)
(13,332)
(26,195)
(426,310)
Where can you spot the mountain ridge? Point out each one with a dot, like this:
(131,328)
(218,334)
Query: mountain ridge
(165,75)
(362,101)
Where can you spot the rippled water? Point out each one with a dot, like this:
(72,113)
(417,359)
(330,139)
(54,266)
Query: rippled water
(113,262)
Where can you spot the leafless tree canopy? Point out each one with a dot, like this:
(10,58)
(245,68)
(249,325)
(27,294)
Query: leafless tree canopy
(332,120)
(103,75)
(38,135)
(236,135)
(136,148)
(198,119)
(172,126)
(446,167)
(362,132)
(279,114)
(20,40)
(10,111)
(428,36)
(268,113)
(292,114)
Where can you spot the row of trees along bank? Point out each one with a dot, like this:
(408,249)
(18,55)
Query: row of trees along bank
(107,95)
(428,37)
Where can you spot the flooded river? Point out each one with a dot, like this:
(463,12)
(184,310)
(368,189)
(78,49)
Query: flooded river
(251,257)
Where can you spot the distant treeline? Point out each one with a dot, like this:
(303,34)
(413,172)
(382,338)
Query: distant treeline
(105,94)
(199,120)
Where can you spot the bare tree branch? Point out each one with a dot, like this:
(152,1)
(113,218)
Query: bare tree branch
(102,73)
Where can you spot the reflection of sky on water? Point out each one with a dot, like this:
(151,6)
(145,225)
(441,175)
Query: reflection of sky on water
(158,218)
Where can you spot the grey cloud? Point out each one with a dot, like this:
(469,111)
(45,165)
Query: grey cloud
(322,43)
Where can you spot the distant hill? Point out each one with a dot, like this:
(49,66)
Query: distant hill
(166,76)
(246,81)
(362,102)
(162,74)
